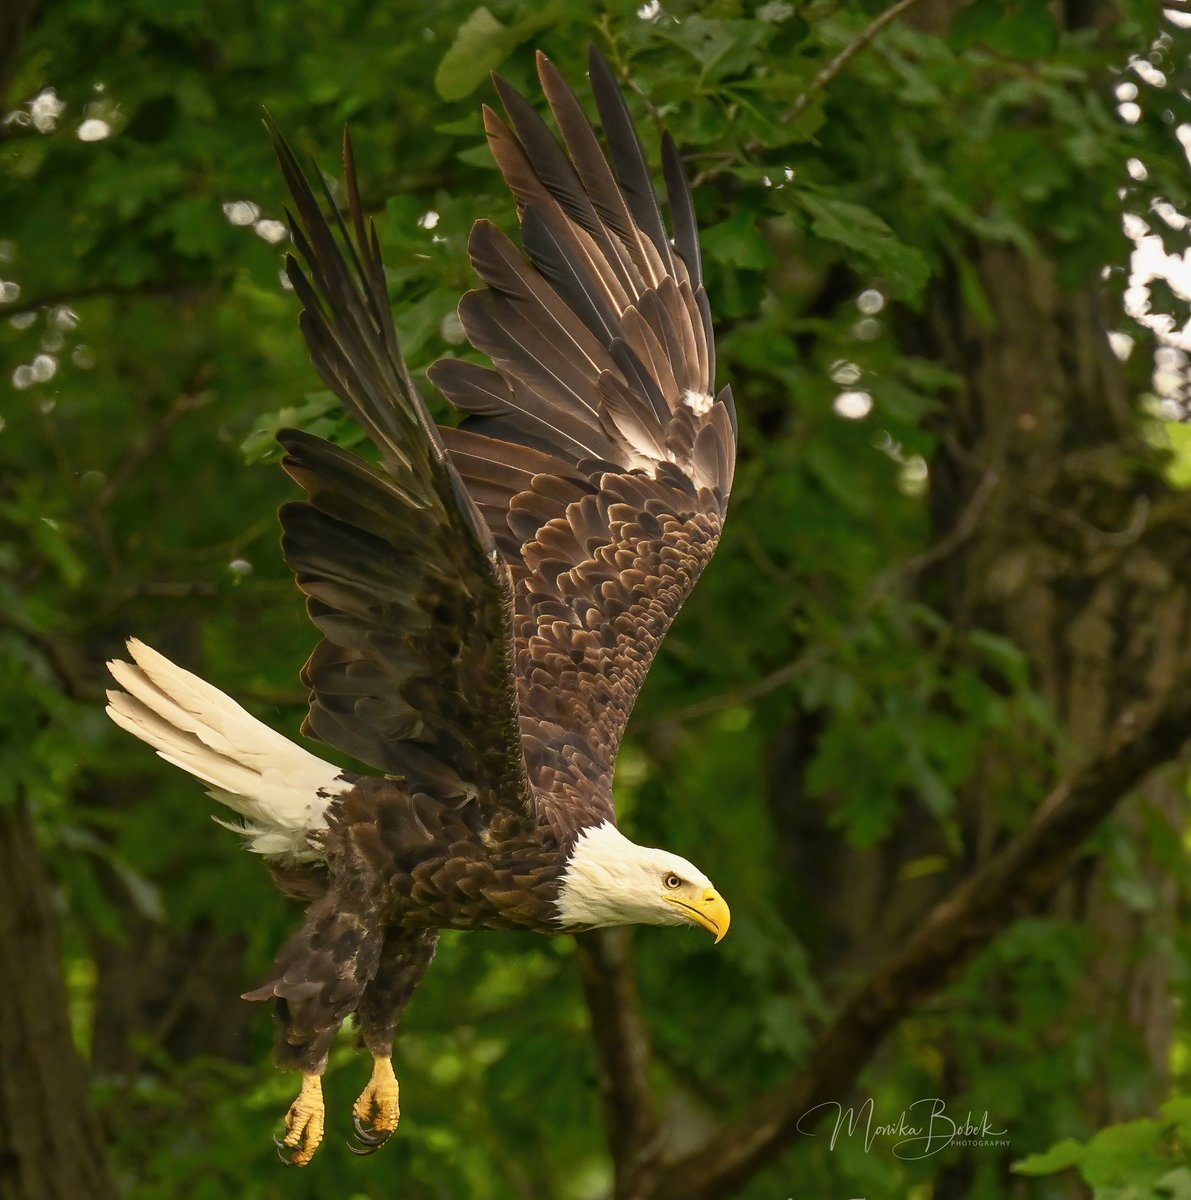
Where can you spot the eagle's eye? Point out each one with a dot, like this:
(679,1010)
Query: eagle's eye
(672,881)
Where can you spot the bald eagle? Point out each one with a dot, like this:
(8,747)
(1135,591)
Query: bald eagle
(489,597)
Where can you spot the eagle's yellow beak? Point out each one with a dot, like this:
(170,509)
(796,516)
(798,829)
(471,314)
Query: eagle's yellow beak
(713,913)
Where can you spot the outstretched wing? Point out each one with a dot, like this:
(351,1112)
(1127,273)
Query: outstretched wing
(414,673)
(594,448)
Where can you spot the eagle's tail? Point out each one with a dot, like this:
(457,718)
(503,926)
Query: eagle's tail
(279,789)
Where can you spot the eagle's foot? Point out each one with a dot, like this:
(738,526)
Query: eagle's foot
(382,1094)
(303,1124)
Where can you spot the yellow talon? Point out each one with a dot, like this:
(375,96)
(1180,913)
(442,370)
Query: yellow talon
(382,1093)
(304,1122)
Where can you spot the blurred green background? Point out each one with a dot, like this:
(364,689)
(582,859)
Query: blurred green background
(956,552)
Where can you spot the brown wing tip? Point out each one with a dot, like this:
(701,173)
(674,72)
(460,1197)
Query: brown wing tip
(349,156)
(494,125)
(483,232)
(439,372)
(598,64)
(504,89)
(550,76)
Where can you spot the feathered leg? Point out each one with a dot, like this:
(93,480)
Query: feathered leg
(318,980)
(403,961)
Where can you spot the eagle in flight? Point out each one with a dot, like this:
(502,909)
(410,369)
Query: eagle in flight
(490,596)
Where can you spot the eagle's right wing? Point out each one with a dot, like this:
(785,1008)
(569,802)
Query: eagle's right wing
(595,449)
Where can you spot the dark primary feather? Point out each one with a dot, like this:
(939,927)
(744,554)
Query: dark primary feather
(595,174)
(535,167)
(627,156)
(682,210)
(401,571)
(595,452)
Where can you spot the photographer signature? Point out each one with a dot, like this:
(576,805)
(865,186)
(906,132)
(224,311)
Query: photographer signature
(922,1129)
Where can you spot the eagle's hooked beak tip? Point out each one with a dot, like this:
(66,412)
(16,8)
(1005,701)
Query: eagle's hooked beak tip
(713,913)
(717,909)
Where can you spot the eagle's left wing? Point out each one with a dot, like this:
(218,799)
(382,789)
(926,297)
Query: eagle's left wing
(595,450)
(402,577)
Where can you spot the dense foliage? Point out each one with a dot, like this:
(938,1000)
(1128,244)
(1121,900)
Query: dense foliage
(814,687)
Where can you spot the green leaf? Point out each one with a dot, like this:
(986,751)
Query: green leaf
(1129,1153)
(1177,1110)
(1060,1157)
(737,242)
(480,46)
(860,229)
(483,43)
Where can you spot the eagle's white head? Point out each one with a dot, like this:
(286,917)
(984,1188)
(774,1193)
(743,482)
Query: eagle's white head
(610,880)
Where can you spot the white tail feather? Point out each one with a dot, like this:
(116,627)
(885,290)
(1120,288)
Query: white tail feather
(280,790)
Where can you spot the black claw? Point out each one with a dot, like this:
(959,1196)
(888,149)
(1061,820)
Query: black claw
(283,1151)
(375,1138)
(356,1148)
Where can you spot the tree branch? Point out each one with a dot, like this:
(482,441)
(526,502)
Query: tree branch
(622,1054)
(1008,885)
(845,56)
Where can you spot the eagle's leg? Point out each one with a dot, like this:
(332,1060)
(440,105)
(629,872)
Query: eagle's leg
(403,961)
(304,1123)
(317,982)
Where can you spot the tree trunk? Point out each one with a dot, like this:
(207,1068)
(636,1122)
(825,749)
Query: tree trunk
(50,1145)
